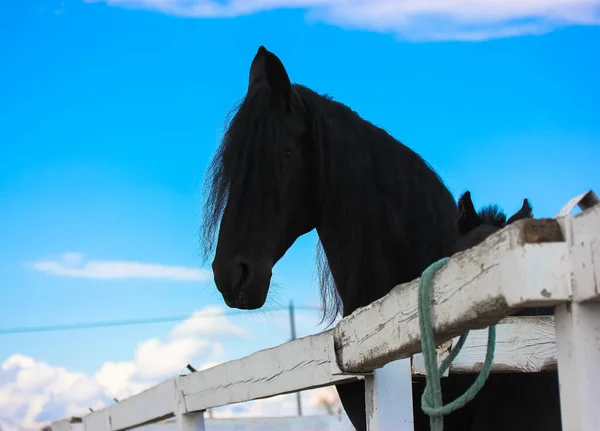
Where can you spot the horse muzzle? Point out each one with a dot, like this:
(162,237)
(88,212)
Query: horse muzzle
(243,283)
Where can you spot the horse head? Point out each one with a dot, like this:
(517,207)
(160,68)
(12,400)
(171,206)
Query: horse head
(262,185)
(477,226)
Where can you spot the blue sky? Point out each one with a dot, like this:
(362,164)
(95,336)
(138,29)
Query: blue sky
(110,112)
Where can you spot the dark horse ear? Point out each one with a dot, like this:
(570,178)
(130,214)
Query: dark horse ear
(267,67)
(468,219)
(524,212)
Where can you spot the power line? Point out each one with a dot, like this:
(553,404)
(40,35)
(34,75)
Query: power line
(106,324)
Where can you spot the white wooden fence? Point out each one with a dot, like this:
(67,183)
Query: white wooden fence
(534,262)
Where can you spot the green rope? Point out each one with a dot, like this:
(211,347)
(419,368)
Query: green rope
(431,401)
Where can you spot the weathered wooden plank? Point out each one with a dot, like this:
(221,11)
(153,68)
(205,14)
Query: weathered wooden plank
(152,405)
(61,425)
(584,201)
(523,345)
(98,420)
(522,265)
(301,364)
(417,361)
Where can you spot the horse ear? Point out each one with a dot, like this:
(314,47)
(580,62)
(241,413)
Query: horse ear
(267,67)
(468,219)
(524,212)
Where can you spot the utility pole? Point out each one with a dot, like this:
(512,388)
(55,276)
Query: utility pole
(293,328)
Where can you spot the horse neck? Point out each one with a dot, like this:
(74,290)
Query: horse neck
(360,275)
(385,215)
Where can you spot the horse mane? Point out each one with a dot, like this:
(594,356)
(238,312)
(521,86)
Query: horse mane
(322,108)
(370,192)
(331,301)
(493,215)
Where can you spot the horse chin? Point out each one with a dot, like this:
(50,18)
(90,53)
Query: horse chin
(244,305)
(253,295)
(252,298)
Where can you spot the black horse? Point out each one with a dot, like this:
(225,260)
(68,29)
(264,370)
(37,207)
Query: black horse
(291,161)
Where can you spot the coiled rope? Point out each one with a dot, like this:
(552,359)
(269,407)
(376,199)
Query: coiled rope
(431,400)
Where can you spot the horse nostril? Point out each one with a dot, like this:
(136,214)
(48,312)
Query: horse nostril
(245,272)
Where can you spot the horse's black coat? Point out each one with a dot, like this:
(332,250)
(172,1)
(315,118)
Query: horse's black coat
(292,160)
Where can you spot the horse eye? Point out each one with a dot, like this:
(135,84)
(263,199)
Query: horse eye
(288,153)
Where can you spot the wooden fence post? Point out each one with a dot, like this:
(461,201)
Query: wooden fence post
(187,421)
(191,421)
(578,355)
(578,322)
(388,395)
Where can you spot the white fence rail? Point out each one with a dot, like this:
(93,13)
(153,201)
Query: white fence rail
(534,262)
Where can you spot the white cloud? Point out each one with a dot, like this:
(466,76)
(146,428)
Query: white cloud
(197,324)
(7,425)
(74,265)
(193,341)
(31,389)
(410,19)
(116,378)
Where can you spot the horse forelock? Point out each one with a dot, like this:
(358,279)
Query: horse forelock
(249,151)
